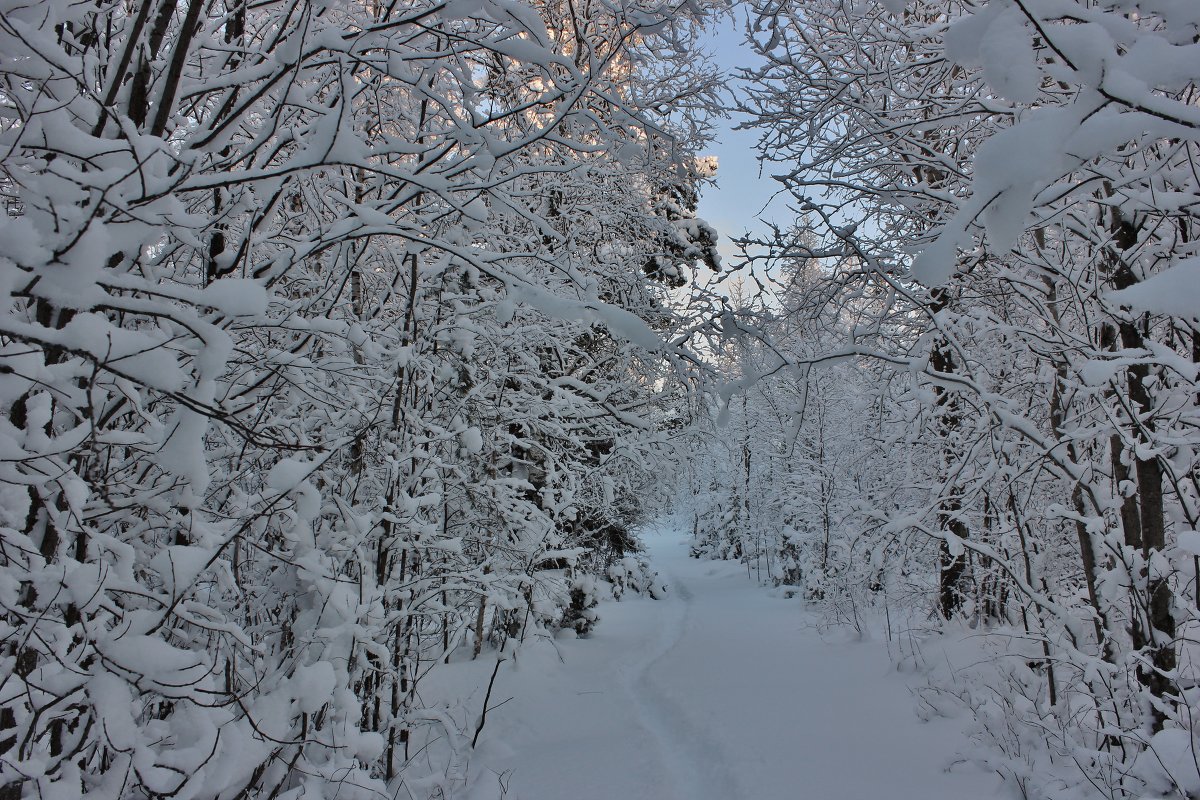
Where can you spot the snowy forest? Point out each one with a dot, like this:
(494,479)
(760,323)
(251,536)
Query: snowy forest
(353,350)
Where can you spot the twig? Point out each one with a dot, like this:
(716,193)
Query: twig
(486,698)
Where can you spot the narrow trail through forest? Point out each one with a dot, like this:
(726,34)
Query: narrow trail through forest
(721,691)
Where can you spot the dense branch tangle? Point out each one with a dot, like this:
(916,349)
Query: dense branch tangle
(1001,197)
(304,361)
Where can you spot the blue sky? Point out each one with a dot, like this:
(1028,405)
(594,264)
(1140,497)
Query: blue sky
(740,194)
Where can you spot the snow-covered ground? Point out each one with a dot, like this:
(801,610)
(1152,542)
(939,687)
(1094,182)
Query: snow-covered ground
(722,691)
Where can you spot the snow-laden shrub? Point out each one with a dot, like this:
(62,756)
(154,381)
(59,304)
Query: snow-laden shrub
(1050,728)
(634,574)
(580,616)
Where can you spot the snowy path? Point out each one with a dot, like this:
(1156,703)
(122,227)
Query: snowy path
(721,692)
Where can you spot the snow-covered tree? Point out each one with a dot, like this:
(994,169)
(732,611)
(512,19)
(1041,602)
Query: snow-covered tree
(1011,184)
(316,342)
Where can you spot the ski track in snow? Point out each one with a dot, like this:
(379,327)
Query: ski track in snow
(720,691)
(689,752)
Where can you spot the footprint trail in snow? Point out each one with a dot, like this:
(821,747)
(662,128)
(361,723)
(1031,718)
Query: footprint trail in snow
(721,691)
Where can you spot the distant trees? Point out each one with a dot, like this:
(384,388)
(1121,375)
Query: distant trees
(327,339)
(1007,195)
